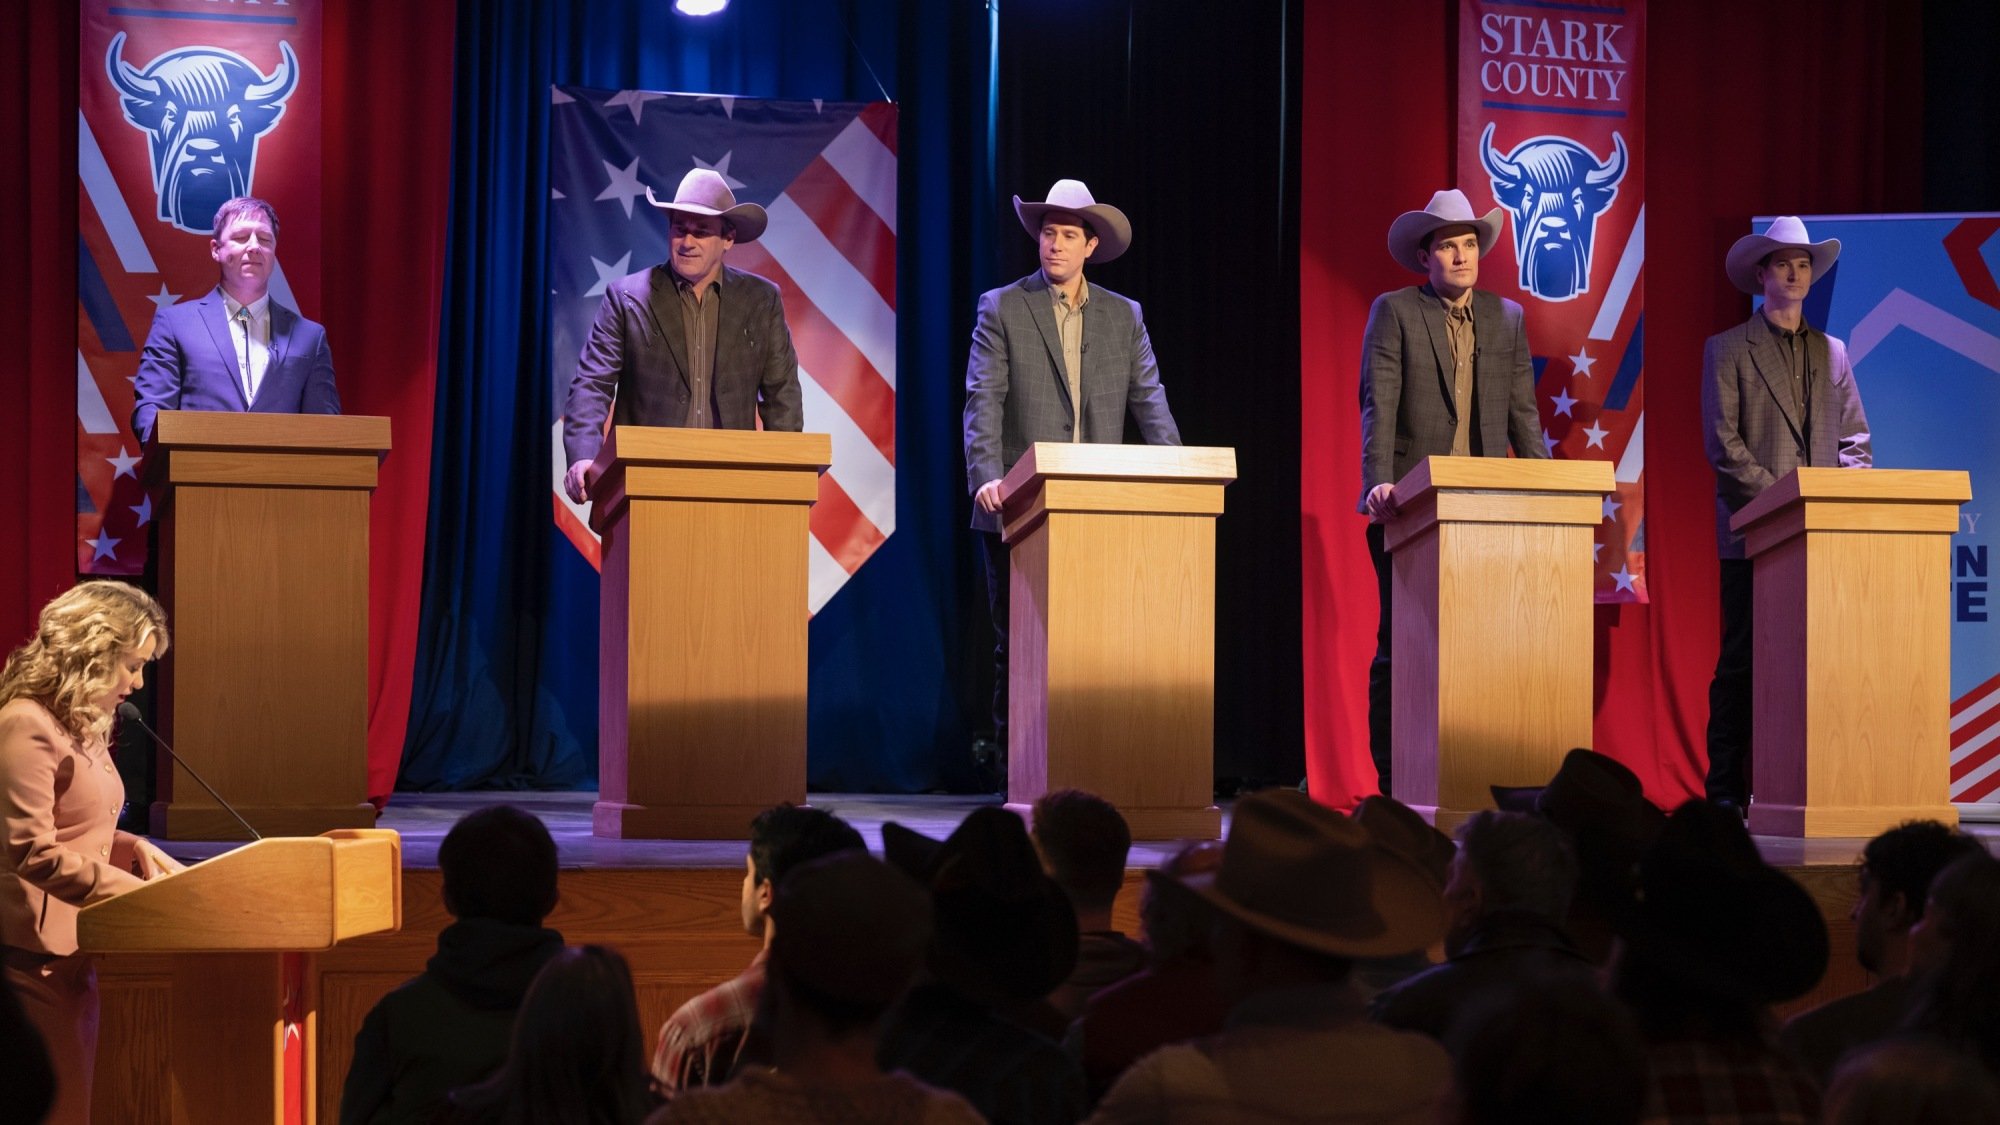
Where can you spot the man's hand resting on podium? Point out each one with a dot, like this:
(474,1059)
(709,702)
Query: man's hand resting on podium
(988,496)
(575,480)
(1381,502)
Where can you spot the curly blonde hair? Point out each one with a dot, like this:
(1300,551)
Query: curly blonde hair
(72,660)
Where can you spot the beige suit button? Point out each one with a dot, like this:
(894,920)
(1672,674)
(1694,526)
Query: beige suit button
(105,850)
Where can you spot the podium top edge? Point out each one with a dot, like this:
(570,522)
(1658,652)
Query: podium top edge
(1522,473)
(1185,464)
(733,448)
(1911,486)
(239,430)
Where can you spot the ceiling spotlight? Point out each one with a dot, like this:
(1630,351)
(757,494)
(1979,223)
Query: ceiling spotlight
(699,7)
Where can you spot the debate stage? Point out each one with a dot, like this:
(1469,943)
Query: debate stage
(670,906)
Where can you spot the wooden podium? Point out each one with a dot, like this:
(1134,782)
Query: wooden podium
(1490,660)
(1852,641)
(1111,639)
(264,573)
(230,940)
(702,627)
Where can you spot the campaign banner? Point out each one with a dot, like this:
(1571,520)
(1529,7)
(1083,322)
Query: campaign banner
(825,172)
(183,104)
(1551,128)
(1916,299)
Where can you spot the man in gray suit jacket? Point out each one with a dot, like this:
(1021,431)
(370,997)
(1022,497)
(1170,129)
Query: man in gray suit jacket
(1776,394)
(234,347)
(688,343)
(1445,370)
(1041,346)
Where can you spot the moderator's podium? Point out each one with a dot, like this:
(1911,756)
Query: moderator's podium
(1491,653)
(230,941)
(1111,643)
(1851,678)
(264,572)
(702,627)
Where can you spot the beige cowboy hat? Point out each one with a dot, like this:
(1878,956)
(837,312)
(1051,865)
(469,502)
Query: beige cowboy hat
(1785,232)
(703,192)
(1297,871)
(1446,209)
(1113,229)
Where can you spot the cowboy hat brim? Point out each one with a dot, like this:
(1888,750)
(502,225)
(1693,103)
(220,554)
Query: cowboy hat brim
(1741,264)
(1113,229)
(1401,894)
(748,218)
(1407,234)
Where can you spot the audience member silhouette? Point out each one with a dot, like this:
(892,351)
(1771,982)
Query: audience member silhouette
(577,1056)
(1550,1050)
(850,932)
(1955,951)
(1301,892)
(1896,872)
(450,1025)
(1911,1081)
(710,1036)
(1506,896)
(1397,825)
(1084,842)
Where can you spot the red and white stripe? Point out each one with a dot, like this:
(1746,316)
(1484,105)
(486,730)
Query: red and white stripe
(1975,744)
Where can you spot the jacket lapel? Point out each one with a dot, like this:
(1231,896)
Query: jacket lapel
(1769,360)
(1488,330)
(1440,350)
(214,314)
(663,302)
(1041,306)
(283,321)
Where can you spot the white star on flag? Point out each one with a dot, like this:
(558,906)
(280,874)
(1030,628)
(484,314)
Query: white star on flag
(634,100)
(721,168)
(123,464)
(164,299)
(1582,361)
(104,546)
(1563,402)
(1548,443)
(1596,434)
(625,185)
(1623,576)
(608,272)
(144,509)
(1611,506)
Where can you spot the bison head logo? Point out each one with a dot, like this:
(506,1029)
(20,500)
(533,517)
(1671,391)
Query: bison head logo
(1555,189)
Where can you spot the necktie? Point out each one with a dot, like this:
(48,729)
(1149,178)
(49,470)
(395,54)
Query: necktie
(243,320)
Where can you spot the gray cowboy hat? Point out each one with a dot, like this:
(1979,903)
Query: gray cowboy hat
(1446,209)
(1113,229)
(1784,233)
(703,192)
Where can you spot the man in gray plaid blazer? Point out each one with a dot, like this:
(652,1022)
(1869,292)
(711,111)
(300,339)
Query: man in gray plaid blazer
(1445,370)
(1776,393)
(1041,346)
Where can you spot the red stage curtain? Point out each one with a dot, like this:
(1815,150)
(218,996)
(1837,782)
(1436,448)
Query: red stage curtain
(38,289)
(1756,108)
(387,158)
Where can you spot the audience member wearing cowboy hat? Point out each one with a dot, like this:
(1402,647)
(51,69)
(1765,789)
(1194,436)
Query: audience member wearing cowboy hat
(690,342)
(1054,358)
(1301,893)
(1718,936)
(1005,937)
(1445,369)
(1506,897)
(1398,826)
(1776,393)
(849,934)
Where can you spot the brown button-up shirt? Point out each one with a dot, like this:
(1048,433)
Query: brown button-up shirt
(1794,343)
(701,314)
(1069,326)
(1464,348)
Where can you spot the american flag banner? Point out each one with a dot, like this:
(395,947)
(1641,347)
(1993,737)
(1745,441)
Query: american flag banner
(183,104)
(1551,128)
(826,173)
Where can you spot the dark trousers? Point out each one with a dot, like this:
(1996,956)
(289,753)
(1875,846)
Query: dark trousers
(1379,746)
(998,578)
(1729,692)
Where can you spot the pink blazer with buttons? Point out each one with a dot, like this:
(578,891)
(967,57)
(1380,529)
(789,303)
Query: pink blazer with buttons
(59,807)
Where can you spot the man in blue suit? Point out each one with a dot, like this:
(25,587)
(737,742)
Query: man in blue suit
(235,348)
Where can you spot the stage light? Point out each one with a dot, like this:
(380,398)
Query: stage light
(699,7)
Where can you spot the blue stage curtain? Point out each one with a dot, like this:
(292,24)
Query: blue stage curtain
(505,692)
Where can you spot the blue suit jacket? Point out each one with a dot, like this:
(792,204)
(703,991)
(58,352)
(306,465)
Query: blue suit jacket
(190,363)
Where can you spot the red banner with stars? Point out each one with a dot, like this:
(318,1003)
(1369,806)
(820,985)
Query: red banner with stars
(184,103)
(1551,128)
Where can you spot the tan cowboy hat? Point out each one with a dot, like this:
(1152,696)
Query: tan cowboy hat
(1113,229)
(1446,209)
(703,192)
(1785,232)
(1304,874)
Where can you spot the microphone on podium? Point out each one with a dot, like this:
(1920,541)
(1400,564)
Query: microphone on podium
(129,712)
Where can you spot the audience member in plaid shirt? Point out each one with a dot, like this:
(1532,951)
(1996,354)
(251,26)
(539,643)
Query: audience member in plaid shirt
(713,1035)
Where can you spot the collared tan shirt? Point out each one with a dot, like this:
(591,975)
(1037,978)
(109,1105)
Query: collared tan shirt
(700,321)
(1069,326)
(1464,348)
(1794,343)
